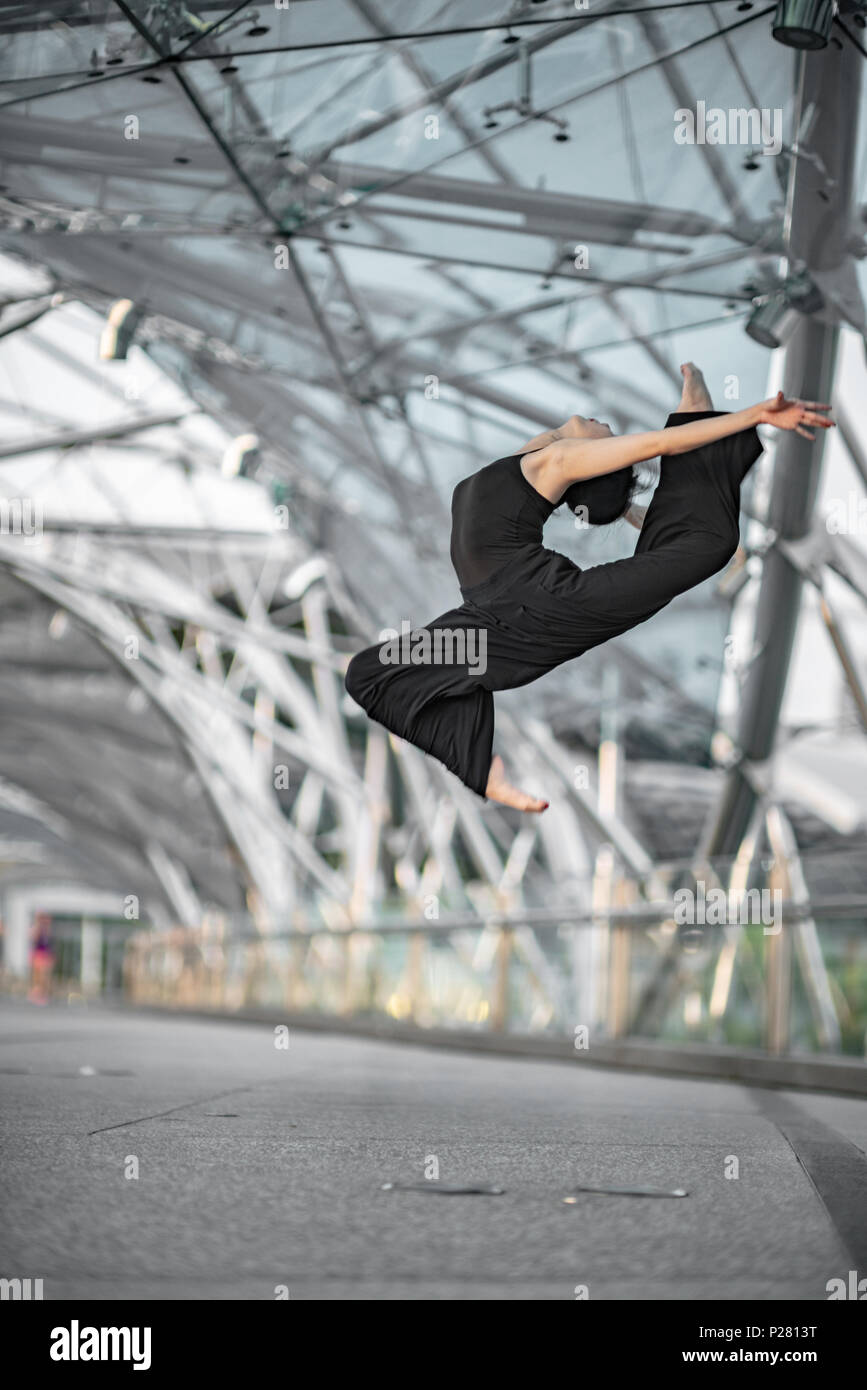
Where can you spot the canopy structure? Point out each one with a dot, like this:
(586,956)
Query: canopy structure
(274,279)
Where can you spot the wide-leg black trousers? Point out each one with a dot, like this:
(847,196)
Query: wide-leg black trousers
(539,609)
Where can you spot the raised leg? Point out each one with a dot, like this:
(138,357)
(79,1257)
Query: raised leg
(695,393)
(695,397)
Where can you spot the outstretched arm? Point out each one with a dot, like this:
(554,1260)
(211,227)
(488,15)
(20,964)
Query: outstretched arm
(567,461)
(784,414)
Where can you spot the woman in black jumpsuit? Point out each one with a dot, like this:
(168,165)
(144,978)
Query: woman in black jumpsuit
(535,608)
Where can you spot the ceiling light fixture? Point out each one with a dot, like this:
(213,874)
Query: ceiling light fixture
(803,23)
(116,338)
(776,317)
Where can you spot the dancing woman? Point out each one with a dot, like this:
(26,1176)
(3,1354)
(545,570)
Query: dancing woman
(533,608)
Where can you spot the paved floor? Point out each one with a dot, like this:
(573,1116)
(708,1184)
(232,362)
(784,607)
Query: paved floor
(260,1167)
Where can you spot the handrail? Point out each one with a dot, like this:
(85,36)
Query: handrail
(549,918)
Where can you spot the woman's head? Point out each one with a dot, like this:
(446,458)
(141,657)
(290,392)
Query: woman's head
(585,427)
(599,501)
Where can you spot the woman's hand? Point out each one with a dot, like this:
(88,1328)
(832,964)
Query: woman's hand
(794,415)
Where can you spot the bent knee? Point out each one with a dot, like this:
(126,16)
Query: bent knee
(717,551)
(360,674)
(354,678)
(723,551)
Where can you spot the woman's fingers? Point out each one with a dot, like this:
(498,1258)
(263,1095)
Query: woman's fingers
(798,414)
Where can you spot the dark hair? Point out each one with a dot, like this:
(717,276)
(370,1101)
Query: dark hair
(605,498)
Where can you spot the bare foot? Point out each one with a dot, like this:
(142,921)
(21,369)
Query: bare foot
(499,789)
(695,393)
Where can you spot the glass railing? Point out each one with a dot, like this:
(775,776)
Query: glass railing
(752,971)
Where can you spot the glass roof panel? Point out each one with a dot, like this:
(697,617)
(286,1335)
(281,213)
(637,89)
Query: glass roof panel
(333,244)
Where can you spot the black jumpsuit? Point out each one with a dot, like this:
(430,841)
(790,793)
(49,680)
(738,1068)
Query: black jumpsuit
(534,608)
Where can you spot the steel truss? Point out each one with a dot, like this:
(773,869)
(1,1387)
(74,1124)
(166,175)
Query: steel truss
(240,636)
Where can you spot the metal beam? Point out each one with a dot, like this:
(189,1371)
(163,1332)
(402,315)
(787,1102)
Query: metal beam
(820,237)
(70,439)
(551,214)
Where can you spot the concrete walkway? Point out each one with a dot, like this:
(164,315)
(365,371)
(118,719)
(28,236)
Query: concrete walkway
(260,1167)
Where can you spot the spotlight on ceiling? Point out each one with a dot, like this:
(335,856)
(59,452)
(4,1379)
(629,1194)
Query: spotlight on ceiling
(775,319)
(304,575)
(241,457)
(803,23)
(119,331)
